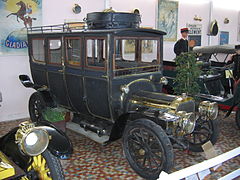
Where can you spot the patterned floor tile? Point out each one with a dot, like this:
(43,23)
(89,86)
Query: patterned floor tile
(91,160)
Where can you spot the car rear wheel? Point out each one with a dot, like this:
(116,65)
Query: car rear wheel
(36,106)
(46,167)
(205,130)
(237,118)
(147,148)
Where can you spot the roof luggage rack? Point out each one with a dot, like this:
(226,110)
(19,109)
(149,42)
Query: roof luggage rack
(66,27)
(113,20)
(94,21)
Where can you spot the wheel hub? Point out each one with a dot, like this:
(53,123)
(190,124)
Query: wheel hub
(142,152)
(39,167)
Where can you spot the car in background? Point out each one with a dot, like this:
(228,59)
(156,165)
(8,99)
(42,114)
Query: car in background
(216,82)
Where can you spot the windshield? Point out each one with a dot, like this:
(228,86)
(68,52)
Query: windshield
(136,55)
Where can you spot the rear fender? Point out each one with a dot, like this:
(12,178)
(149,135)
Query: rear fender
(59,144)
(43,90)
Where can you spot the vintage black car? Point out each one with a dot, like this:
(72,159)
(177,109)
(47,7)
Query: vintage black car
(109,74)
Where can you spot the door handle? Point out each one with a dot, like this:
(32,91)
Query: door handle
(60,70)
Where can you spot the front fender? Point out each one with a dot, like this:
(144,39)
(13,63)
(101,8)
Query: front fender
(59,144)
(11,150)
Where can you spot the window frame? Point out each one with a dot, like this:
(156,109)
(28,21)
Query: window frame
(158,50)
(44,53)
(66,51)
(138,56)
(48,45)
(86,52)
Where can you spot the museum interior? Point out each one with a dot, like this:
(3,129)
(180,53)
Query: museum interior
(109,89)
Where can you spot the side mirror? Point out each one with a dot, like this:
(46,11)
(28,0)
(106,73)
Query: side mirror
(26,81)
(163,81)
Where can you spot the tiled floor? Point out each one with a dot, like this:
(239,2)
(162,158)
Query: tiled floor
(93,161)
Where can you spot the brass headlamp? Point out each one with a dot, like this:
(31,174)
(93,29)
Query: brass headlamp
(31,140)
(187,121)
(208,109)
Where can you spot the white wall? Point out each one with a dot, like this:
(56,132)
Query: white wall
(55,11)
(186,12)
(147,9)
(15,96)
(220,14)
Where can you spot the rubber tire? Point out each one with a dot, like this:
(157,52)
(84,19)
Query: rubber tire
(213,138)
(161,135)
(237,118)
(54,166)
(35,96)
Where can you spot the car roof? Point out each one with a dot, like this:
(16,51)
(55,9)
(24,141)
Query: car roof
(60,29)
(224,49)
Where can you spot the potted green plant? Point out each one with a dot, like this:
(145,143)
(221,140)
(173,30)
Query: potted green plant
(188,72)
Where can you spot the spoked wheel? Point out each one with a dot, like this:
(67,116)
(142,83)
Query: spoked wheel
(205,130)
(237,118)
(36,106)
(147,148)
(45,167)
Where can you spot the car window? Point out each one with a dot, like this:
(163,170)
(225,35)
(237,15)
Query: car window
(149,51)
(55,51)
(96,53)
(38,50)
(73,51)
(136,55)
(129,47)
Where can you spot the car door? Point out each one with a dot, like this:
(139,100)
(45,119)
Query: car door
(95,76)
(74,73)
(37,55)
(55,70)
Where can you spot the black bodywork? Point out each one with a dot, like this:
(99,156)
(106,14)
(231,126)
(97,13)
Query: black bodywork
(109,75)
(94,92)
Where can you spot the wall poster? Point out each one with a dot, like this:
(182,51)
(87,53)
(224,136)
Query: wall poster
(15,17)
(224,37)
(167,18)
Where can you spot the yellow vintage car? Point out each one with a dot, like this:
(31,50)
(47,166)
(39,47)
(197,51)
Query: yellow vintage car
(31,151)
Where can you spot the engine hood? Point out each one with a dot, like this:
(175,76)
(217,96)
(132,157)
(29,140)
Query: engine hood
(163,101)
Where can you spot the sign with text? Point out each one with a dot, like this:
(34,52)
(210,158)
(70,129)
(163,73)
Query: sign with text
(195,33)
(195,29)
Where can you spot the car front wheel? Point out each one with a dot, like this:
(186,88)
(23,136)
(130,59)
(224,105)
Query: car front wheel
(205,130)
(45,166)
(147,148)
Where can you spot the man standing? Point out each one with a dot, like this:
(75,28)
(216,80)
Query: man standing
(236,60)
(182,44)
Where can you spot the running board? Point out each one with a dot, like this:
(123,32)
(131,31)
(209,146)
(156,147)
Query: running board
(78,129)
